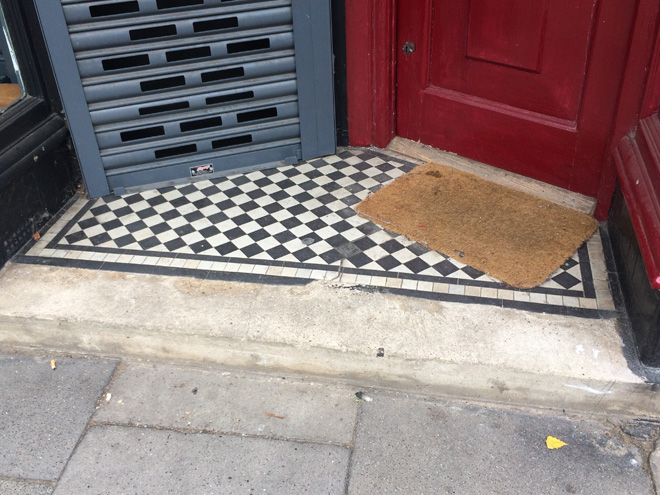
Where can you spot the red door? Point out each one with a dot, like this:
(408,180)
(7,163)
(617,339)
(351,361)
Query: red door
(526,85)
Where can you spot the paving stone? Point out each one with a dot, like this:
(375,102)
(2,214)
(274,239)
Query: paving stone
(232,402)
(119,460)
(460,449)
(23,488)
(43,411)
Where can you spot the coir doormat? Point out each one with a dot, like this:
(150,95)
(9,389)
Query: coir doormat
(512,236)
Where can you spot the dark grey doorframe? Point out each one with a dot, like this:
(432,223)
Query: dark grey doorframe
(111,165)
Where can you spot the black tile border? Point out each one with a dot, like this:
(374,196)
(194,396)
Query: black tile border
(293,281)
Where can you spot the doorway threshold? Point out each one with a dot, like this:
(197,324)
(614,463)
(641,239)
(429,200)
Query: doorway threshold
(411,149)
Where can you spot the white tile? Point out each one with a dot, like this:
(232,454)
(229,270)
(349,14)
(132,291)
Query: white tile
(572,302)
(471,290)
(505,294)
(425,286)
(554,299)
(178,263)
(232,267)
(191,264)
(393,283)
(409,284)
(537,298)
(260,269)
(441,288)
(205,265)
(458,290)
(588,303)
(303,273)
(363,279)
(489,292)
(521,296)
(379,281)
(289,271)
(245,268)
(348,278)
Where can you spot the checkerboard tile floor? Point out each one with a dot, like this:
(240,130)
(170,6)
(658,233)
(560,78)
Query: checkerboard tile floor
(295,224)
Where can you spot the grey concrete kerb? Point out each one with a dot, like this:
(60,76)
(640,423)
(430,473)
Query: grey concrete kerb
(655,467)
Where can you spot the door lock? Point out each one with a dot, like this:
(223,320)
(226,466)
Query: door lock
(408,47)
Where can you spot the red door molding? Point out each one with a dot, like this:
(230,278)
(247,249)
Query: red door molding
(371,71)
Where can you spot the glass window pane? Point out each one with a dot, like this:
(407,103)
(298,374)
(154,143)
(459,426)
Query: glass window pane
(11,85)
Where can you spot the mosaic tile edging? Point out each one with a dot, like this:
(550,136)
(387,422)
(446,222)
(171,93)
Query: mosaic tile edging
(274,272)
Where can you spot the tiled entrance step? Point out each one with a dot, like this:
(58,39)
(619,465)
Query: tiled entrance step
(294,224)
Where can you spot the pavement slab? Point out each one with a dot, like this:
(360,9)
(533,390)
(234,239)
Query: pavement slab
(408,445)
(9,487)
(43,412)
(231,402)
(117,460)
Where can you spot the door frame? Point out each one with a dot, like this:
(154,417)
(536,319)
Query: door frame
(371,50)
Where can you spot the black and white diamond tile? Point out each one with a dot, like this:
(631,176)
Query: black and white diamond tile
(295,222)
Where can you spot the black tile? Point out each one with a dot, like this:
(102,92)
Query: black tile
(316,224)
(308,185)
(242,219)
(445,267)
(160,228)
(233,192)
(331,256)
(266,220)
(170,215)
(209,232)
(136,226)
(240,180)
(179,202)
(290,223)
(188,189)
(156,200)
(382,178)
(184,230)
(76,237)
(342,226)
(277,252)
(174,244)
(283,237)
(417,265)
(258,235)
(166,189)
(355,188)
(568,264)
(149,242)
(131,199)
(211,190)
(331,186)
(147,213)
(350,200)
(89,222)
(193,216)
(123,211)
(360,259)
(263,182)
(100,210)
(472,272)
(200,246)
(359,177)
(101,238)
(226,248)
(280,195)
(327,198)
(392,246)
(124,240)
(336,240)
(364,243)
(217,218)
(313,174)
(234,233)
(225,205)
(346,212)
(385,167)
(286,183)
(418,249)
(304,254)
(252,250)
(369,228)
(297,209)
(111,225)
(388,262)
(303,196)
(336,175)
(291,172)
(362,165)
(202,203)
(273,207)
(256,194)
(566,280)
(249,206)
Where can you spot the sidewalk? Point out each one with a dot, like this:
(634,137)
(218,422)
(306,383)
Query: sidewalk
(105,426)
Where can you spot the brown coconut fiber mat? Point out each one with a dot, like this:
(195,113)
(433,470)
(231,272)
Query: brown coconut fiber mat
(512,236)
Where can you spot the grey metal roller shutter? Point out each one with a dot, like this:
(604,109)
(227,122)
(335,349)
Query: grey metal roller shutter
(157,91)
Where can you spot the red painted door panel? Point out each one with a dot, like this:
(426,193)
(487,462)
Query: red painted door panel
(529,86)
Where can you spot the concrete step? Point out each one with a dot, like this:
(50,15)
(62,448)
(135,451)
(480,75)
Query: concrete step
(436,348)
